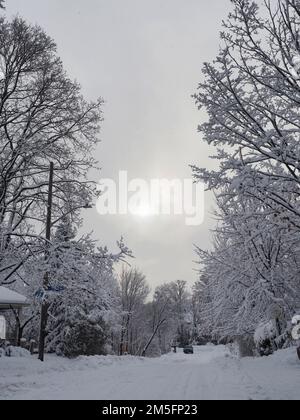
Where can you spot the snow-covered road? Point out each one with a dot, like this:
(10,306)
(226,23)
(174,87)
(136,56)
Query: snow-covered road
(210,374)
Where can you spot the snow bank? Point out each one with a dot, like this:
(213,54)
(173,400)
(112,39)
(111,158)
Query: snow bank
(23,363)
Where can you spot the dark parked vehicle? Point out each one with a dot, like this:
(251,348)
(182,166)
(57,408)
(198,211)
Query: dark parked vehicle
(188,350)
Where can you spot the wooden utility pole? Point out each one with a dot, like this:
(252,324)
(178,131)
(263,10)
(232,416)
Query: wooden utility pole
(45,305)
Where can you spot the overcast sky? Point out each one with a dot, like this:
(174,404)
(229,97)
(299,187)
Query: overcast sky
(144,57)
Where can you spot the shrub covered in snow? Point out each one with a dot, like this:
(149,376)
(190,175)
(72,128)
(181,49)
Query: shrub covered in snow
(11,351)
(18,352)
(77,334)
(264,338)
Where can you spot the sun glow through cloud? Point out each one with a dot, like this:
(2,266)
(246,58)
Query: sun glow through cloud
(142,210)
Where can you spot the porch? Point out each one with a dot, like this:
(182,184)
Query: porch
(10,301)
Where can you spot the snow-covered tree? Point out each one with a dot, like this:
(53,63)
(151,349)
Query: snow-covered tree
(83,294)
(251,94)
(134,292)
(43,119)
(253,266)
(175,299)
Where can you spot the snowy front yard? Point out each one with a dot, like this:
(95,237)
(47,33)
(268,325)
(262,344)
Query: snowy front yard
(211,373)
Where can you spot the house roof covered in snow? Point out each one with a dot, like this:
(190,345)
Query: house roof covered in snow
(10,299)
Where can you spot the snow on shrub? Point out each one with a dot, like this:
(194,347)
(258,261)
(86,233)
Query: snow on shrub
(264,338)
(296,320)
(17,352)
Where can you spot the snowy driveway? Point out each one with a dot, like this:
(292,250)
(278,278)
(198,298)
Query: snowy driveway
(210,374)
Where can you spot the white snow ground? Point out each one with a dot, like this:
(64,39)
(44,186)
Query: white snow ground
(212,373)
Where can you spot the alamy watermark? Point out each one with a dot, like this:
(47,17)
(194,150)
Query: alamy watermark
(152,198)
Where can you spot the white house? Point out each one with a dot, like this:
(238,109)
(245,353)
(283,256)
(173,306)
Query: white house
(9,300)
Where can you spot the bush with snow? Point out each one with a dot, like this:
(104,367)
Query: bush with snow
(11,351)
(296,320)
(18,352)
(264,338)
